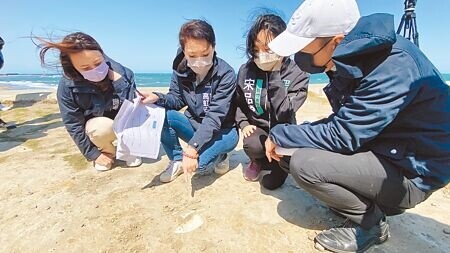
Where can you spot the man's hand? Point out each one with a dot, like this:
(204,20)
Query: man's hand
(148,97)
(248,130)
(270,151)
(190,160)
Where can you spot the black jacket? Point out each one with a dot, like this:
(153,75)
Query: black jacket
(209,103)
(80,101)
(265,99)
(1,55)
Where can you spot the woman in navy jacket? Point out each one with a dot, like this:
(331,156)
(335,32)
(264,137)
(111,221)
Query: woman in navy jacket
(90,94)
(205,85)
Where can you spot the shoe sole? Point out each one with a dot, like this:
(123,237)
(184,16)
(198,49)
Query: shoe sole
(134,165)
(378,242)
(102,170)
(250,180)
(221,172)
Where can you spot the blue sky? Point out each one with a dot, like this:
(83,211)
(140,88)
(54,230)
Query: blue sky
(142,35)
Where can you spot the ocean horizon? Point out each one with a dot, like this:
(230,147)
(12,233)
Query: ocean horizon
(19,81)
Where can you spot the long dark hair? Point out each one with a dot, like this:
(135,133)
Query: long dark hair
(273,24)
(72,43)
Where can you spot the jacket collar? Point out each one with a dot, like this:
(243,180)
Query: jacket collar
(371,34)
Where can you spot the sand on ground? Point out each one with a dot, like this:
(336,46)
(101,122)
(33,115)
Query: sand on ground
(51,200)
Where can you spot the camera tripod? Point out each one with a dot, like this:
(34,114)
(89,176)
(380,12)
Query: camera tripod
(408,23)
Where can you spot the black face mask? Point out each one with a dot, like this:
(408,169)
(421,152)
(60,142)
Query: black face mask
(305,61)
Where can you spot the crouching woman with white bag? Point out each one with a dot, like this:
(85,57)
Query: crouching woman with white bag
(90,93)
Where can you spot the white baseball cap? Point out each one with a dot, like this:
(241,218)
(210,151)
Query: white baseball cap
(315,19)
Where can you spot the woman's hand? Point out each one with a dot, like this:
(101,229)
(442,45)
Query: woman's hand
(105,160)
(190,160)
(149,97)
(248,130)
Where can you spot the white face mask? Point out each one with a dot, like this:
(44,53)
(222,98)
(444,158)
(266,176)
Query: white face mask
(267,61)
(200,65)
(96,74)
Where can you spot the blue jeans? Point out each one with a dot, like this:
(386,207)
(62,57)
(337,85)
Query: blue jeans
(177,125)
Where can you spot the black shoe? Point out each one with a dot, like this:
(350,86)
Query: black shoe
(7,126)
(275,179)
(352,238)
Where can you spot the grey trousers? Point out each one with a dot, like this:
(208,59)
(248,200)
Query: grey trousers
(362,186)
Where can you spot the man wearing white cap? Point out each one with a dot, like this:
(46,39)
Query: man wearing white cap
(386,146)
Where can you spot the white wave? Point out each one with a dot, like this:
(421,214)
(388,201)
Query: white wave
(28,84)
(51,76)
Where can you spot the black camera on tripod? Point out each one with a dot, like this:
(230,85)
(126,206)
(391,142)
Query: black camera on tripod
(408,23)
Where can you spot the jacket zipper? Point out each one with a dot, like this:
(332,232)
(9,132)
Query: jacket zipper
(266,100)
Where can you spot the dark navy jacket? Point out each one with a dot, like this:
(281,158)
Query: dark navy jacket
(79,101)
(209,103)
(1,59)
(1,55)
(387,97)
(265,99)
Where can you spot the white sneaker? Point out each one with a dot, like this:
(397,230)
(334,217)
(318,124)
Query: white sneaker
(172,171)
(223,166)
(4,108)
(102,168)
(134,163)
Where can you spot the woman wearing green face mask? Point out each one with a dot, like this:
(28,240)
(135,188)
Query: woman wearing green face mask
(270,89)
